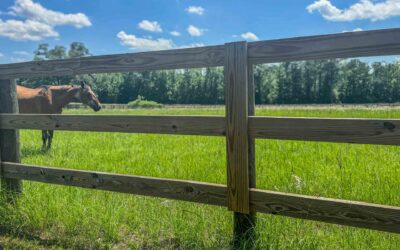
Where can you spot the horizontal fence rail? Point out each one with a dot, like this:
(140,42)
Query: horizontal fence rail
(209,56)
(343,130)
(212,194)
(351,213)
(361,131)
(343,45)
(183,125)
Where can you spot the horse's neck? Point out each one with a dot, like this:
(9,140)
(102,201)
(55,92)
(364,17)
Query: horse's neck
(61,97)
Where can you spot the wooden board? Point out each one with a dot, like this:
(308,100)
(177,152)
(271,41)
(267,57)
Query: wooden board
(184,125)
(212,194)
(342,45)
(9,138)
(363,131)
(350,213)
(244,224)
(236,100)
(342,212)
(208,56)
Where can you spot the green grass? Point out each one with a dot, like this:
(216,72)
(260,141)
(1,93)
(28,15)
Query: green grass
(49,216)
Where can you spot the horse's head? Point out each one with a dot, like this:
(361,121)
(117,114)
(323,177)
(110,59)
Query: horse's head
(88,97)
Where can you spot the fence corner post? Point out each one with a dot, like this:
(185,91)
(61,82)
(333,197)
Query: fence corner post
(9,138)
(240,147)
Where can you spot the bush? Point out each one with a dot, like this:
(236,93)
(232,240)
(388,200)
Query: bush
(140,102)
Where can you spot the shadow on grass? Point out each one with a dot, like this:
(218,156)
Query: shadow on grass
(27,151)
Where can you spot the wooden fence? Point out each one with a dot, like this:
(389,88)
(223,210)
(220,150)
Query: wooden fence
(239,126)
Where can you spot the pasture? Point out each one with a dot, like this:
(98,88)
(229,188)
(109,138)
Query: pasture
(49,216)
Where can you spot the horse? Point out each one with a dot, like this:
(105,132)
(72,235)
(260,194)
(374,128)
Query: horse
(49,99)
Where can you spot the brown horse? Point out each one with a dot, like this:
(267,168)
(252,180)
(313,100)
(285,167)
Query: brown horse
(52,100)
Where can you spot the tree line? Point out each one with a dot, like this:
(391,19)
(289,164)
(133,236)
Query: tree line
(319,81)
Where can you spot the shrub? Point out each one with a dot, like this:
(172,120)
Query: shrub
(140,102)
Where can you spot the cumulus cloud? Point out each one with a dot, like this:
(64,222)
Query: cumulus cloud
(142,44)
(195,10)
(36,12)
(249,36)
(194,31)
(150,26)
(354,30)
(35,22)
(28,30)
(175,33)
(364,9)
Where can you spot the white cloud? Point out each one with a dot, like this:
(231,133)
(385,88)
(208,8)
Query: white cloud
(36,12)
(364,9)
(175,33)
(150,26)
(355,30)
(39,22)
(28,30)
(142,44)
(194,31)
(249,36)
(195,10)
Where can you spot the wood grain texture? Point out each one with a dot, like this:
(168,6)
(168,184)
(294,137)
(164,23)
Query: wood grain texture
(236,100)
(9,138)
(342,212)
(350,213)
(198,57)
(244,224)
(343,45)
(184,125)
(362,131)
(251,112)
(212,194)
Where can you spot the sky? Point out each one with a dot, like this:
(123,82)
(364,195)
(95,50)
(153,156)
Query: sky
(122,26)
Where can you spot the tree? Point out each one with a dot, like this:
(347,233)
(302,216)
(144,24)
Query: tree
(329,77)
(355,85)
(78,49)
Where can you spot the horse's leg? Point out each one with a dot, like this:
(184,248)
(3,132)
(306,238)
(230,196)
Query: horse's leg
(44,139)
(51,134)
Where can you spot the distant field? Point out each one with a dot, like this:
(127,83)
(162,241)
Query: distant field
(48,216)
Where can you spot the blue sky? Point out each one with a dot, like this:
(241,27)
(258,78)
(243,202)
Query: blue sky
(120,26)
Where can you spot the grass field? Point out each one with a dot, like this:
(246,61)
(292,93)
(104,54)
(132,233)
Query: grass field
(53,217)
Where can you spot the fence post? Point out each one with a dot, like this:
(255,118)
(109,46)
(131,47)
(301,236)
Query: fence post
(237,140)
(244,224)
(9,138)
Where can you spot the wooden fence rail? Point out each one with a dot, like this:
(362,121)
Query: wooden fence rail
(351,213)
(343,130)
(239,126)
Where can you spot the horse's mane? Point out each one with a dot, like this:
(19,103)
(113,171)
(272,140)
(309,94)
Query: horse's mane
(44,89)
